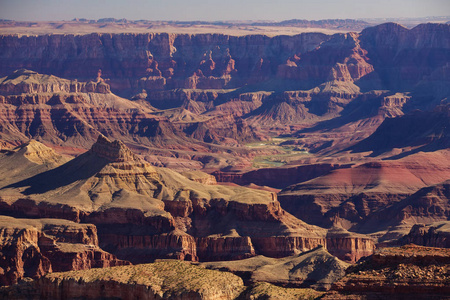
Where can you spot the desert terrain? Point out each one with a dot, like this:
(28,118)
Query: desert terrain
(224,160)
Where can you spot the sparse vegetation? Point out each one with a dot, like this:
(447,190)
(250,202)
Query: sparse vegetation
(286,153)
(267,291)
(166,278)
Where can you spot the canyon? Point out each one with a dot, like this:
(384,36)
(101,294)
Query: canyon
(139,212)
(302,165)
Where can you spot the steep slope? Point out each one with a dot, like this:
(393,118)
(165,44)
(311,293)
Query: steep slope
(416,131)
(72,113)
(356,121)
(32,248)
(403,57)
(316,268)
(339,58)
(428,205)
(143,212)
(28,160)
(156,61)
(347,196)
(237,89)
(431,235)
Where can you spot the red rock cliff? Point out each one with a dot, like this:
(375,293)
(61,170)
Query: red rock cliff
(32,248)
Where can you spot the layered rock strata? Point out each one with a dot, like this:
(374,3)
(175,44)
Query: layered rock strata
(398,273)
(32,248)
(315,268)
(142,212)
(160,280)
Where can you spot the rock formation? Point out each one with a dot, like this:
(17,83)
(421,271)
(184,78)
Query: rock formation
(396,273)
(432,235)
(32,248)
(162,61)
(361,161)
(348,196)
(142,212)
(315,268)
(228,90)
(28,159)
(430,129)
(160,280)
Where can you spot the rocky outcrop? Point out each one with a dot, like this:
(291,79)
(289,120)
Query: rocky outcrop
(143,213)
(315,268)
(223,248)
(32,248)
(349,246)
(429,205)
(168,280)
(222,129)
(205,61)
(285,246)
(18,82)
(200,177)
(26,160)
(402,57)
(340,58)
(431,235)
(21,255)
(53,112)
(140,247)
(391,106)
(397,273)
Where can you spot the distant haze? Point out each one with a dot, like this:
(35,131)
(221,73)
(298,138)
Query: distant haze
(210,10)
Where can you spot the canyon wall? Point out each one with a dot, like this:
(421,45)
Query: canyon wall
(32,248)
(155,61)
(394,56)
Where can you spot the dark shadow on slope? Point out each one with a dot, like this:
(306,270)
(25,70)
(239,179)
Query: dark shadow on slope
(427,130)
(356,110)
(80,168)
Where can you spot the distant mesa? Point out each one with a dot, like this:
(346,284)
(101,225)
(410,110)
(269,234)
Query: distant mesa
(23,81)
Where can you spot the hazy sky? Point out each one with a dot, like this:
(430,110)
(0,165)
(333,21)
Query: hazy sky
(209,10)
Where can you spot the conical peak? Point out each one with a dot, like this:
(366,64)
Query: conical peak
(38,153)
(33,146)
(114,151)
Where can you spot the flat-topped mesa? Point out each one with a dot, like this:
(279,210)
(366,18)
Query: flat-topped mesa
(23,81)
(114,151)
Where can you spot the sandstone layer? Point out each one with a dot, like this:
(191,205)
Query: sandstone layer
(350,195)
(160,280)
(32,248)
(398,273)
(142,212)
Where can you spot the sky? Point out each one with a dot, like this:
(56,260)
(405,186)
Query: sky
(215,10)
